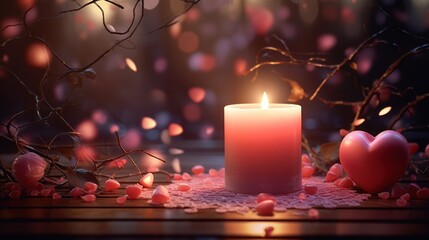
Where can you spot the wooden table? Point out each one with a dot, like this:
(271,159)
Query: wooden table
(104,218)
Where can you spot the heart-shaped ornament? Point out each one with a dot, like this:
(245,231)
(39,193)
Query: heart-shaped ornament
(374,163)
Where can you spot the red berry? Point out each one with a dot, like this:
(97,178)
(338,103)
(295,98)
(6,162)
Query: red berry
(307,171)
(265,196)
(310,189)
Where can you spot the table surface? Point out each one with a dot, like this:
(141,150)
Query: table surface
(73,219)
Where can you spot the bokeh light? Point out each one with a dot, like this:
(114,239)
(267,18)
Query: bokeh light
(38,55)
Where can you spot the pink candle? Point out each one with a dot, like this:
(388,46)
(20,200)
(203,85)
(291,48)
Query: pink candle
(263,148)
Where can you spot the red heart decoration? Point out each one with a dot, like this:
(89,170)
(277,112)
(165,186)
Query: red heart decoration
(374,164)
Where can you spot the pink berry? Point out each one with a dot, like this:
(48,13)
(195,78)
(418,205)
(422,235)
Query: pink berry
(88,198)
(28,169)
(186,176)
(307,171)
(90,187)
(111,185)
(384,195)
(310,189)
(76,192)
(197,169)
(313,213)
(423,193)
(183,187)
(265,196)
(121,199)
(268,231)
(147,180)
(160,195)
(213,172)
(401,202)
(345,183)
(221,171)
(265,208)
(133,191)
(56,196)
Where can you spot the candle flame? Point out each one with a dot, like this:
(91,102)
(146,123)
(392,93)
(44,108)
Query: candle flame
(264,104)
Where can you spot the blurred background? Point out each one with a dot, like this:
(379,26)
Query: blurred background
(173,83)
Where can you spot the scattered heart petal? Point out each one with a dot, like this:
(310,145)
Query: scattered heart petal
(111,185)
(183,187)
(307,171)
(265,196)
(147,180)
(384,195)
(133,191)
(310,189)
(197,169)
(160,195)
(88,198)
(265,208)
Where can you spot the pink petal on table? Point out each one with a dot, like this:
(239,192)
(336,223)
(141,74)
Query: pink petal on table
(90,187)
(401,202)
(177,176)
(310,189)
(307,171)
(76,192)
(45,192)
(160,195)
(265,196)
(397,191)
(111,184)
(302,196)
(121,199)
(423,193)
(412,189)
(384,195)
(213,172)
(268,231)
(345,183)
(186,176)
(183,187)
(197,169)
(265,208)
(133,191)
(147,180)
(331,177)
(88,198)
(15,194)
(406,196)
(56,196)
(305,159)
(11,186)
(337,169)
(313,213)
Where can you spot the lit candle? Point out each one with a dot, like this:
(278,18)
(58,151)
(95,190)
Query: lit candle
(263,148)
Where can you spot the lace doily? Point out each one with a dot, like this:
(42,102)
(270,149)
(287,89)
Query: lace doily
(208,192)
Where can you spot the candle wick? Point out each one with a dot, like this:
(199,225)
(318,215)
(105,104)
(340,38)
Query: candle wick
(264,104)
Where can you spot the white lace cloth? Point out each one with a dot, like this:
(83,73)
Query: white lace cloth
(208,192)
